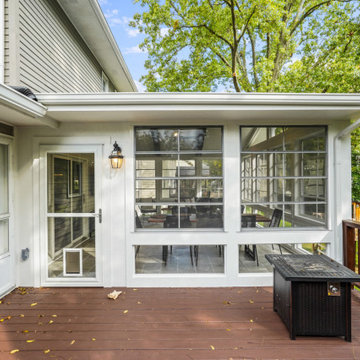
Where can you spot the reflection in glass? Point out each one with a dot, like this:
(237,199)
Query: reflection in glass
(71,233)
(156,190)
(4,200)
(201,190)
(200,165)
(156,165)
(4,236)
(71,183)
(156,139)
(252,257)
(199,139)
(170,259)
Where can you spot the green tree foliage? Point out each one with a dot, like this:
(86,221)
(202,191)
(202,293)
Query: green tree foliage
(253,46)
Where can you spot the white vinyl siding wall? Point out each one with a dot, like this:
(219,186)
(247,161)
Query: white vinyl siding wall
(52,57)
(6,42)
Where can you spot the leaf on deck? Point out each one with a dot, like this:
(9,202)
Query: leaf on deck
(30,341)
(46,351)
(72,342)
(14,351)
(212,347)
(33,304)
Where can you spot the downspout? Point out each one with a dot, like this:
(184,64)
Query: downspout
(340,136)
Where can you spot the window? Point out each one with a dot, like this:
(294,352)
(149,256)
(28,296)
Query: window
(4,200)
(179,178)
(283,169)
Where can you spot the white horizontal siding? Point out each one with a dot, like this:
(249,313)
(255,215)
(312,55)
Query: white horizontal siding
(52,58)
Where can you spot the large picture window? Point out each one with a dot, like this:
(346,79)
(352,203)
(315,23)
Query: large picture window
(179,178)
(283,177)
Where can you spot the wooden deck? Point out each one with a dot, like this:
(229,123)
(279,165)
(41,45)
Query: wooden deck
(148,323)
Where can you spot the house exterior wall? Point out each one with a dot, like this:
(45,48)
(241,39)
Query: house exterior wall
(118,235)
(44,52)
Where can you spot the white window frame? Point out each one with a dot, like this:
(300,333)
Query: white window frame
(282,203)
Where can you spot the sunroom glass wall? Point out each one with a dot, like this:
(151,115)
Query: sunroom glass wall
(179,178)
(284,168)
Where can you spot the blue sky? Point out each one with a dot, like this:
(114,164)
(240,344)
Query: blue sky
(118,13)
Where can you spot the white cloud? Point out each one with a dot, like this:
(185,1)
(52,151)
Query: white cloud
(132,32)
(134,50)
(140,86)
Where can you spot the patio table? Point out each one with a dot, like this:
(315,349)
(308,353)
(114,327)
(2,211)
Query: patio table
(312,294)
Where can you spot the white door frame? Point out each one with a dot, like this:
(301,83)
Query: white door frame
(8,259)
(98,155)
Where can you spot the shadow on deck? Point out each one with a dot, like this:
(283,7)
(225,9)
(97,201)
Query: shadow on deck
(152,323)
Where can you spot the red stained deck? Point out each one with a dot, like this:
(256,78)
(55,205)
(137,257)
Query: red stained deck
(149,323)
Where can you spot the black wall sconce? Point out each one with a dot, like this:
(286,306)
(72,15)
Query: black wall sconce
(116,158)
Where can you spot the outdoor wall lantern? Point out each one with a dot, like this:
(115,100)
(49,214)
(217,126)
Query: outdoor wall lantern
(116,158)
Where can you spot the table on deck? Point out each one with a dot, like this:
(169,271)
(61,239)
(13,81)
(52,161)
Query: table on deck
(312,294)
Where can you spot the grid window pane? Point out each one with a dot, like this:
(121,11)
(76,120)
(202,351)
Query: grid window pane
(188,170)
(283,172)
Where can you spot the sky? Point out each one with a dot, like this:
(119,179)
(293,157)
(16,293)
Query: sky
(118,13)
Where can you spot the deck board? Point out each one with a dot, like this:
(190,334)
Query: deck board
(152,323)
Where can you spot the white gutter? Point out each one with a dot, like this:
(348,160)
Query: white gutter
(340,101)
(20,103)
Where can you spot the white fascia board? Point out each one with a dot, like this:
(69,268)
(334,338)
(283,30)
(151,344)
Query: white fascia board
(90,22)
(327,101)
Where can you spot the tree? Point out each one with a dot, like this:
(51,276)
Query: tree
(251,45)
(254,46)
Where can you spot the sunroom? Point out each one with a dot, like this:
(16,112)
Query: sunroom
(210,183)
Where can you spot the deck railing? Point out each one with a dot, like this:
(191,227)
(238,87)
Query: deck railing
(350,234)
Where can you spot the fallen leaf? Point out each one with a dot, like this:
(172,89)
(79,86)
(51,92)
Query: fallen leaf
(227,302)
(22,315)
(134,289)
(93,339)
(1,320)
(72,342)
(139,302)
(51,321)
(54,315)
(251,320)
(114,295)
(126,311)
(14,351)
(33,304)
(30,341)
(257,290)
(41,315)
(228,330)
(8,317)
(0,301)
(25,331)
(46,351)
(251,301)
(212,347)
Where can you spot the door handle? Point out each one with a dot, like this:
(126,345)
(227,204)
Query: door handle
(99,215)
